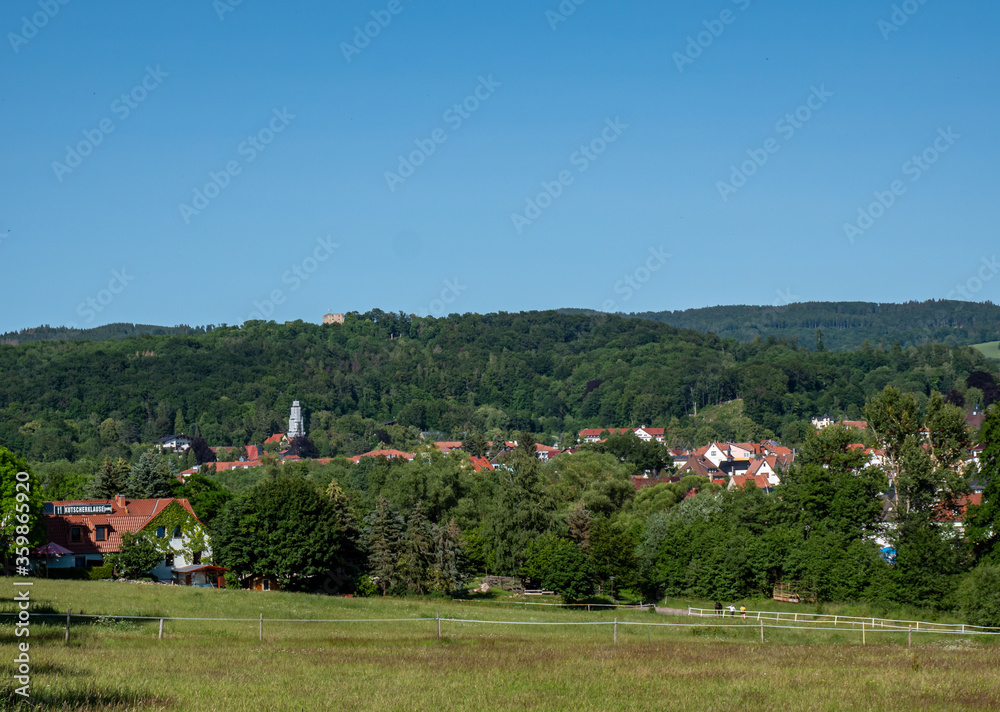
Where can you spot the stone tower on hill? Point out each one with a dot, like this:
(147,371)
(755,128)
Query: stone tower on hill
(296,427)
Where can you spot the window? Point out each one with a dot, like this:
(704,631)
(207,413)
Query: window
(196,557)
(74,534)
(177,532)
(161,532)
(168,560)
(266,586)
(102,533)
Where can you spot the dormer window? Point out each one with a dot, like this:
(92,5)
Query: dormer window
(74,534)
(102,533)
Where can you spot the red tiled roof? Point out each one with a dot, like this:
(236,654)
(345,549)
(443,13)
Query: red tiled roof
(276,438)
(448,445)
(596,432)
(859,424)
(744,480)
(480,463)
(388,454)
(254,452)
(128,515)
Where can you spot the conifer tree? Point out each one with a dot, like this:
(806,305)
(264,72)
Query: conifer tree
(111,480)
(382,539)
(149,478)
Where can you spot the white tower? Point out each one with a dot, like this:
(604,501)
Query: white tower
(296,427)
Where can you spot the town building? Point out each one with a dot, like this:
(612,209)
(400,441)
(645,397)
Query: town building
(90,530)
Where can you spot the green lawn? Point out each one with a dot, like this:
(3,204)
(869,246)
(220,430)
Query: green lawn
(115,665)
(990,349)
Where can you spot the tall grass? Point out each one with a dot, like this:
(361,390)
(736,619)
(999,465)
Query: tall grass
(114,665)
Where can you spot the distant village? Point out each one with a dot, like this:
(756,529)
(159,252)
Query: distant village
(81,534)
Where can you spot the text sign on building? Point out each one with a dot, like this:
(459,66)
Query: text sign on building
(85,509)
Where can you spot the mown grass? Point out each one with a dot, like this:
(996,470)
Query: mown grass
(989,349)
(111,665)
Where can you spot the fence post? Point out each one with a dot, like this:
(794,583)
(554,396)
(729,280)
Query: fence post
(616,631)
(862,632)
(963,628)
(69,612)
(161,629)
(835,621)
(762,631)
(438,616)
(689,610)
(260,631)
(909,637)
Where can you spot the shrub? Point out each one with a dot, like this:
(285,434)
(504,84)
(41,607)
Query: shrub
(101,572)
(980,596)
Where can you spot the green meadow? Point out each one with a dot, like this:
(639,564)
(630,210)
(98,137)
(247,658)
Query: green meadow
(113,663)
(989,349)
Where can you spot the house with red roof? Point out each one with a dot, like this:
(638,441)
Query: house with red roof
(648,434)
(278,438)
(596,435)
(387,454)
(92,529)
(447,446)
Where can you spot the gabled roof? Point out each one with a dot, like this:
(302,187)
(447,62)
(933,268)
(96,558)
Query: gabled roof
(760,481)
(127,515)
(276,438)
(448,445)
(480,463)
(388,454)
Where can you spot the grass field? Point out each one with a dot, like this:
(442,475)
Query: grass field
(990,349)
(121,665)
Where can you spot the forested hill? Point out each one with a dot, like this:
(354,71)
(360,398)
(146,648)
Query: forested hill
(540,371)
(845,325)
(97,333)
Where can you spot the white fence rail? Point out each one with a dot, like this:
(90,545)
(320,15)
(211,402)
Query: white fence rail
(755,620)
(835,621)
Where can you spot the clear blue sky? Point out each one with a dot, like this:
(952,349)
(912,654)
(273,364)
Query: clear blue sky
(100,238)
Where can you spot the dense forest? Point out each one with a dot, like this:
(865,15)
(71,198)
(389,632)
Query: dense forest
(846,325)
(542,372)
(97,333)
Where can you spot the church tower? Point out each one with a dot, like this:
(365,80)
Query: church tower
(296,427)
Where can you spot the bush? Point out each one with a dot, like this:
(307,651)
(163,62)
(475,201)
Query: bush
(980,596)
(101,572)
